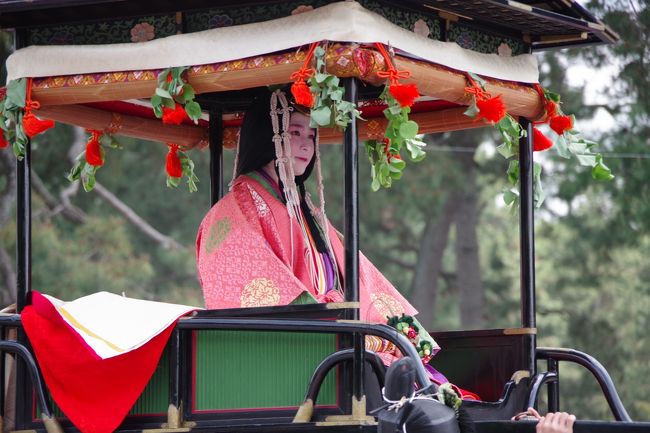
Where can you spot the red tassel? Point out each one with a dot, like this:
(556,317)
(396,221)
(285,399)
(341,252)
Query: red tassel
(301,94)
(551,108)
(174,116)
(94,153)
(559,124)
(540,141)
(3,141)
(32,125)
(173,164)
(492,110)
(405,94)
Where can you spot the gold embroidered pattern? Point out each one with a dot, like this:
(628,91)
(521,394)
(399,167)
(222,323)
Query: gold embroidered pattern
(386,304)
(260,292)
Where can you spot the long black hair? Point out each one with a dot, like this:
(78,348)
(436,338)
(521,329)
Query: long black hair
(256,149)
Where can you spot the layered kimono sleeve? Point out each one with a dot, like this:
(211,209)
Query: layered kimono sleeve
(239,263)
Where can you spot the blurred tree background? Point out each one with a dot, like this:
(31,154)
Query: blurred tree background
(441,234)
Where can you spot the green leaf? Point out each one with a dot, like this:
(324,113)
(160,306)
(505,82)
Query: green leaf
(17,91)
(187,94)
(163,93)
(169,103)
(478,79)
(600,171)
(513,172)
(319,51)
(375,185)
(562,148)
(505,150)
(471,111)
(156,101)
(336,95)
(555,97)
(320,77)
(173,182)
(75,171)
(510,197)
(586,159)
(158,111)
(322,116)
(88,177)
(408,130)
(162,77)
(193,110)
(415,149)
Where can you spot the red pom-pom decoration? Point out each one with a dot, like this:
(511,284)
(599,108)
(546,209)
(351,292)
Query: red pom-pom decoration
(540,141)
(405,94)
(174,116)
(559,124)
(301,94)
(32,125)
(173,164)
(3,141)
(94,154)
(492,110)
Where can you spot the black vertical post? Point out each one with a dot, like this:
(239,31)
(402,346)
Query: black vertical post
(527,240)
(175,365)
(351,206)
(216,155)
(23,229)
(23,265)
(553,386)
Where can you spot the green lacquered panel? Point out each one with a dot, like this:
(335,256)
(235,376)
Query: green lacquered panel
(245,369)
(155,397)
(153,400)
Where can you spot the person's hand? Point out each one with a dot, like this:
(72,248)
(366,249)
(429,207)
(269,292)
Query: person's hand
(559,422)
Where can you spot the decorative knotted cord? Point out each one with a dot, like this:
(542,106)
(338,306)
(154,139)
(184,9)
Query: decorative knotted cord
(305,71)
(282,143)
(32,125)
(476,90)
(299,89)
(392,73)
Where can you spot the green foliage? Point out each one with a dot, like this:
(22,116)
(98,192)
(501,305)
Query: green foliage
(172,89)
(330,109)
(11,116)
(386,164)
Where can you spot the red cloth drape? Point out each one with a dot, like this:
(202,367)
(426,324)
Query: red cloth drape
(95,394)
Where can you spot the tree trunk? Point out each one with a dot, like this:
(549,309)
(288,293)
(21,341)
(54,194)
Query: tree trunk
(429,264)
(468,269)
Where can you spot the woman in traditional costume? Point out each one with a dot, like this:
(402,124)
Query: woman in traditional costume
(265,243)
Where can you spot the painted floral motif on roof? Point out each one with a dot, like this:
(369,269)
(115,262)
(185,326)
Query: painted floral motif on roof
(200,20)
(106,32)
(483,42)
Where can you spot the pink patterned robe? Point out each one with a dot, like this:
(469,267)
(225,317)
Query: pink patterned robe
(251,254)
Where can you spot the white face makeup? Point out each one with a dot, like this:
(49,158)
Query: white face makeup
(302,142)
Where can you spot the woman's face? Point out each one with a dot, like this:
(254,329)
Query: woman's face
(302,142)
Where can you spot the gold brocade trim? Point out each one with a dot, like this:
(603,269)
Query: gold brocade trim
(87,331)
(260,292)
